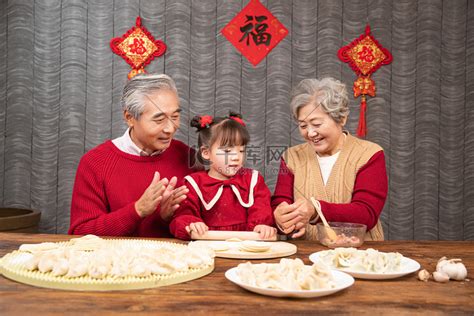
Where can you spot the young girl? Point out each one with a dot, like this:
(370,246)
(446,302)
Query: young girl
(226,196)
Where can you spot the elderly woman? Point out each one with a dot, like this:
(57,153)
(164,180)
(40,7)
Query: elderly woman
(345,175)
(126,186)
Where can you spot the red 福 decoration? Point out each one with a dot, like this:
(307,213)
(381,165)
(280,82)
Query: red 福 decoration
(254,31)
(138,47)
(365,55)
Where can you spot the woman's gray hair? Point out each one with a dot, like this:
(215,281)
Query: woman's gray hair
(134,92)
(328,92)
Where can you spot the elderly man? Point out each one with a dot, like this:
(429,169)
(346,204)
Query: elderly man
(126,186)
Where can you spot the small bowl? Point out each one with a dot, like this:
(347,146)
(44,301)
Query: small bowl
(348,234)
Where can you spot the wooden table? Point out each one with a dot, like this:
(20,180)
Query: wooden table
(214,294)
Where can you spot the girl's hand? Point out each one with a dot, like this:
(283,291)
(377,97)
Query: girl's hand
(199,228)
(265,232)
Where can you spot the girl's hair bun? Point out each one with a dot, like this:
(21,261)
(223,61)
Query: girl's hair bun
(235,114)
(236,117)
(195,122)
(201,122)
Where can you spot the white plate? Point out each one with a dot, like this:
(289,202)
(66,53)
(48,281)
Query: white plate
(407,266)
(342,279)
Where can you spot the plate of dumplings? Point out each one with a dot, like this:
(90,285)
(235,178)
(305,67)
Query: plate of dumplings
(289,278)
(369,264)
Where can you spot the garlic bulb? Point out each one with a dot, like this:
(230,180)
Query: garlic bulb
(453,268)
(424,275)
(440,277)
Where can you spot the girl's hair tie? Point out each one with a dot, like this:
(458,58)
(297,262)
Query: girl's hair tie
(205,121)
(237,118)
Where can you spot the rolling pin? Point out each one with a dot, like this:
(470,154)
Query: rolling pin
(227,234)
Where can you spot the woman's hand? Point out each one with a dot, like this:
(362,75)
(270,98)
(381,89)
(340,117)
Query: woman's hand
(171,199)
(294,217)
(286,217)
(152,196)
(265,231)
(305,211)
(199,228)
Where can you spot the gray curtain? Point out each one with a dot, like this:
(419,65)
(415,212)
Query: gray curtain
(60,86)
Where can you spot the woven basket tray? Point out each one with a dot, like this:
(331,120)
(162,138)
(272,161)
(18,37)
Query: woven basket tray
(12,267)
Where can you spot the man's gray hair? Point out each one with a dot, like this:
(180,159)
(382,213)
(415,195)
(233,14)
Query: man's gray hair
(329,93)
(137,88)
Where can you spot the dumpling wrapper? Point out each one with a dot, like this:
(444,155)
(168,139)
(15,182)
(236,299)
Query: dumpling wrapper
(219,247)
(255,246)
(233,239)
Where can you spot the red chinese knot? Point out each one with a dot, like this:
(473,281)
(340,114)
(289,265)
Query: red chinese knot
(138,47)
(254,31)
(365,55)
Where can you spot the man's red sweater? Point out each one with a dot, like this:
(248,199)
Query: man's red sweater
(109,182)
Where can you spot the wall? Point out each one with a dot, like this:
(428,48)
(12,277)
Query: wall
(60,86)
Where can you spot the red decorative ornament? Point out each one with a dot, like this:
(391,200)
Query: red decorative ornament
(254,31)
(206,121)
(138,47)
(365,55)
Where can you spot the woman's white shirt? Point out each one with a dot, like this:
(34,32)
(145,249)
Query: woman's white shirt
(326,164)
